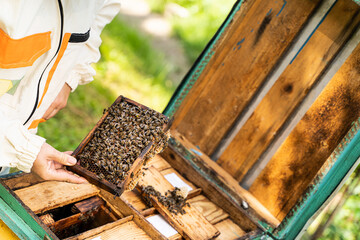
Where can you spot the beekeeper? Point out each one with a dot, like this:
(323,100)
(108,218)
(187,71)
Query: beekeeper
(46,48)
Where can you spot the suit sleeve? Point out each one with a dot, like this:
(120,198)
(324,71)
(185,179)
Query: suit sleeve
(83,72)
(18,147)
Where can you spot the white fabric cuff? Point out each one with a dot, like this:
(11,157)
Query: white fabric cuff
(73,80)
(26,145)
(81,75)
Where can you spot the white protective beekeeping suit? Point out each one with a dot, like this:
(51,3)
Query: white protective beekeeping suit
(43,45)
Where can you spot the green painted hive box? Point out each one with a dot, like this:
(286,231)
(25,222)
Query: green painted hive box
(265,130)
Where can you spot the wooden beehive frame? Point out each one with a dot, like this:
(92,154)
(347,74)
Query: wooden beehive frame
(135,167)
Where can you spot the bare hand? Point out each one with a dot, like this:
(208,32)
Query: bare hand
(50,163)
(59,102)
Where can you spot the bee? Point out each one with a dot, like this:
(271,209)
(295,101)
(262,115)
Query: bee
(101,176)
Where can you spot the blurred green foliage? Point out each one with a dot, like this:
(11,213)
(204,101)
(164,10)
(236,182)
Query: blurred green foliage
(204,19)
(346,222)
(341,216)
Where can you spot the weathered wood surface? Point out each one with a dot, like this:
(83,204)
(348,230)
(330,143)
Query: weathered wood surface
(250,49)
(92,232)
(282,182)
(22,180)
(51,194)
(175,237)
(47,219)
(209,210)
(148,212)
(191,225)
(290,89)
(134,199)
(126,231)
(120,205)
(89,204)
(158,162)
(229,230)
(217,185)
(113,210)
(66,223)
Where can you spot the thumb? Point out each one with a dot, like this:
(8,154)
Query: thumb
(64,159)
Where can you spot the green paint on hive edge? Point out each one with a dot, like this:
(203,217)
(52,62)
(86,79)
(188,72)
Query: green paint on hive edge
(341,162)
(15,223)
(26,219)
(191,77)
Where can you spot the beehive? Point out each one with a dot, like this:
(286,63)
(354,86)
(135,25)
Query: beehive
(265,128)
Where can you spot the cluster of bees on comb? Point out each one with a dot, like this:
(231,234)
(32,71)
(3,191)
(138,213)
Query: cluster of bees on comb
(120,139)
(174,200)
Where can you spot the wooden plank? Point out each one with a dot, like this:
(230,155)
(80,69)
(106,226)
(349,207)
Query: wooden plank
(120,204)
(229,230)
(304,106)
(249,51)
(65,223)
(127,231)
(175,237)
(221,188)
(52,194)
(148,212)
(191,225)
(289,172)
(100,229)
(209,210)
(290,89)
(47,219)
(158,162)
(134,199)
(22,180)
(333,174)
(113,210)
(193,193)
(293,49)
(109,213)
(89,204)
